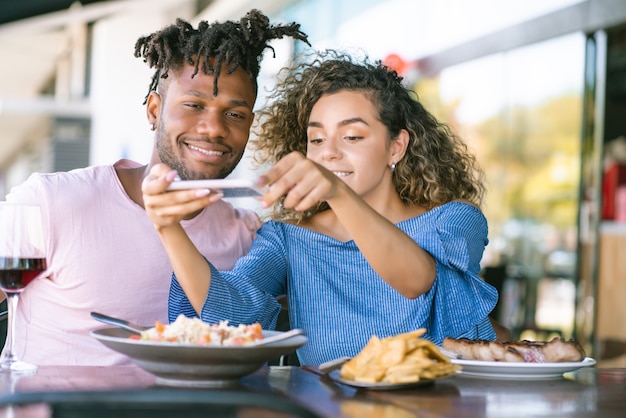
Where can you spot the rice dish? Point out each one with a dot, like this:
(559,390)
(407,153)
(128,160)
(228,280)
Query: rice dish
(194,331)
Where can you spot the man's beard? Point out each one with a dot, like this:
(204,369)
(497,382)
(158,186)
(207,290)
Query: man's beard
(167,154)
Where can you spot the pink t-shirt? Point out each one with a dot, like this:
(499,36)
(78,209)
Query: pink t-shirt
(104,255)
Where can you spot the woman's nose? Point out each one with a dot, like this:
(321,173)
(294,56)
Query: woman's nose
(330,150)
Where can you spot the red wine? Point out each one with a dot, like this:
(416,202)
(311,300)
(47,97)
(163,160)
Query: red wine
(16,273)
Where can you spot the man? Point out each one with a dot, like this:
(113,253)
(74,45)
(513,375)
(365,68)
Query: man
(103,252)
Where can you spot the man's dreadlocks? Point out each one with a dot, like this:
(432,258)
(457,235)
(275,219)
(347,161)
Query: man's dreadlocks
(211,45)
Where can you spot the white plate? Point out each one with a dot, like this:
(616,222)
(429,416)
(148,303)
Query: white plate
(528,371)
(194,365)
(334,375)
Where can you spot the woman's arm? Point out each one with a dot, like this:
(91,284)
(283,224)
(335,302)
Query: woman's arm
(166,210)
(244,295)
(394,255)
(391,253)
(190,267)
(247,293)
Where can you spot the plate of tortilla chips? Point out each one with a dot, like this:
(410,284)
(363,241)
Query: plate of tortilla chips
(398,362)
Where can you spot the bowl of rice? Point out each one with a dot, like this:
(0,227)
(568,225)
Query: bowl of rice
(192,353)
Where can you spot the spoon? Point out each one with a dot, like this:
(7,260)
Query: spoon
(137,329)
(334,364)
(278,337)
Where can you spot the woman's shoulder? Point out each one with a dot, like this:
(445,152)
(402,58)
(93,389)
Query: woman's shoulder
(463,211)
(467,202)
(453,208)
(449,215)
(460,207)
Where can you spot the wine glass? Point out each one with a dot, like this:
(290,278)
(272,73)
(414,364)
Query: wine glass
(22,259)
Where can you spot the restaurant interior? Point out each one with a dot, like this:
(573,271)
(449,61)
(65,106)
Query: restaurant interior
(536,88)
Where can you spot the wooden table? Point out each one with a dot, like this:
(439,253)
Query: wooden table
(589,392)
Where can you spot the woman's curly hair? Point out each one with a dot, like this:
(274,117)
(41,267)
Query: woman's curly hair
(232,43)
(437,167)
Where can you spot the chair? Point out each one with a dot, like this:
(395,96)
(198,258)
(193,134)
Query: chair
(502,332)
(610,349)
(282,324)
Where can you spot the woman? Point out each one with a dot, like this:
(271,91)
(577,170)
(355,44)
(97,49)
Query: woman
(377,231)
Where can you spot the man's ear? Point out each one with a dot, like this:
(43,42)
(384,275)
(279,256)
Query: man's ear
(153,108)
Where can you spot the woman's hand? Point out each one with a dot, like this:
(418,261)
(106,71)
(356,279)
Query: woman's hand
(169,208)
(303,182)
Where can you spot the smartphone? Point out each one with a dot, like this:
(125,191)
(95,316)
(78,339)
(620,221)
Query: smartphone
(229,187)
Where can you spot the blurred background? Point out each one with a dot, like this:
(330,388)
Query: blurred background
(536,87)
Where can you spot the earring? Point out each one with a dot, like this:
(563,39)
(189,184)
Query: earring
(152,127)
(393,167)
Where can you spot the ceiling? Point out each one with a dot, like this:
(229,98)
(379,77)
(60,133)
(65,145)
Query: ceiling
(34,56)
(12,11)
(34,37)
